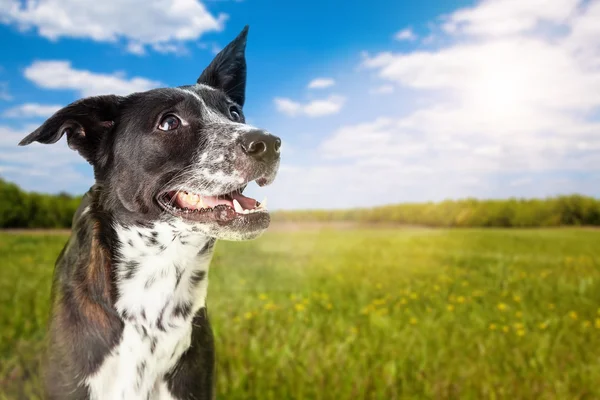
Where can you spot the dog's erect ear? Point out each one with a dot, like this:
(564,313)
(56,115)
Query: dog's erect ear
(228,70)
(84,122)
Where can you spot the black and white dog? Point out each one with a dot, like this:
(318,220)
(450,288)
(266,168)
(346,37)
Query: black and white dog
(129,315)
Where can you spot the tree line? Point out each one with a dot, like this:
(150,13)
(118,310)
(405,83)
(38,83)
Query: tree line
(21,209)
(571,210)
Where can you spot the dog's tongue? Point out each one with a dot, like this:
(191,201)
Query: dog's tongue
(193,201)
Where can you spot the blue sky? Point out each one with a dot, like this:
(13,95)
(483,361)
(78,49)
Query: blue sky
(394,101)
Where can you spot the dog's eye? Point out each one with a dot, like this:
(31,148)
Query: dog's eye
(235,114)
(168,123)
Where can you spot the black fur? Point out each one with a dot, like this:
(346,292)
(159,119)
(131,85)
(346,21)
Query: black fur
(133,160)
(228,69)
(194,371)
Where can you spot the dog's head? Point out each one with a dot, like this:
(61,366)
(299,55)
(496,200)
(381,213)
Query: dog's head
(180,153)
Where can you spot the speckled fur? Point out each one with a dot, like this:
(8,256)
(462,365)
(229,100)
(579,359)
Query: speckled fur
(161,285)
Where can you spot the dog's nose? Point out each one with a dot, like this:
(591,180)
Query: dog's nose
(261,145)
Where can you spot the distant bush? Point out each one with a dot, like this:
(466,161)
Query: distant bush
(574,210)
(20,209)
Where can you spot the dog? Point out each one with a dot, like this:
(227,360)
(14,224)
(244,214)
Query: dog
(128,309)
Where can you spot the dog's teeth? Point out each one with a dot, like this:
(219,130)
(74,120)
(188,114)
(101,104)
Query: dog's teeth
(237,206)
(201,202)
(263,204)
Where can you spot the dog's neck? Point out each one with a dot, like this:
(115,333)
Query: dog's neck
(161,279)
(161,273)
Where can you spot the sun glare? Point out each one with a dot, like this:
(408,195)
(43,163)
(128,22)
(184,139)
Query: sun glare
(499,91)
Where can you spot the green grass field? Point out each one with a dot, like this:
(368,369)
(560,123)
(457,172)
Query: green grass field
(367,314)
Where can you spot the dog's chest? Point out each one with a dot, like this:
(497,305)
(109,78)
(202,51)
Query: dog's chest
(161,284)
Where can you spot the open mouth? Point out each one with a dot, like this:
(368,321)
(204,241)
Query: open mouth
(222,208)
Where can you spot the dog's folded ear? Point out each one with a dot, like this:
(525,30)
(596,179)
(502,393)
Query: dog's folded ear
(85,122)
(228,69)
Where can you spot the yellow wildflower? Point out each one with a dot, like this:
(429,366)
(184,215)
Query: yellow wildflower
(460,299)
(379,302)
(502,306)
(493,327)
(263,296)
(270,306)
(248,315)
(519,314)
(450,307)
(521,332)
(573,315)
(586,324)
(300,307)
(413,321)
(505,328)
(597,323)
(543,325)
(517,299)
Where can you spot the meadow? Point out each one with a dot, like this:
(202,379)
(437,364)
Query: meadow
(367,313)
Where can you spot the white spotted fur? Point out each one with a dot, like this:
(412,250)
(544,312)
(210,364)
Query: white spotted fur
(118,376)
(212,157)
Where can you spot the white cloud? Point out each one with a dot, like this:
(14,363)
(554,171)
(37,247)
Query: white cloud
(214,47)
(158,24)
(383,89)
(136,48)
(4,94)
(405,34)
(315,108)
(321,83)
(506,104)
(521,182)
(508,17)
(503,96)
(46,168)
(32,110)
(61,75)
